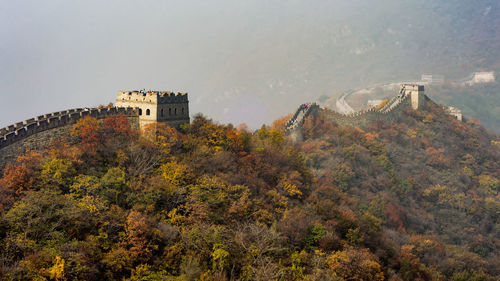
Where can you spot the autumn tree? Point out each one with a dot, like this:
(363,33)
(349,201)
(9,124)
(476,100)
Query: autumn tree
(356,264)
(87,130)
(118,125)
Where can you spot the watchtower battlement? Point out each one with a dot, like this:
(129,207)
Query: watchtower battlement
(156,106)
(161,97)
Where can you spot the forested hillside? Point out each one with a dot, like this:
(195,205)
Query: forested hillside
(413,200)
(480,101)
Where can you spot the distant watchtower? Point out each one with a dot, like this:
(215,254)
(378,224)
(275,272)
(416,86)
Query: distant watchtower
(157,106)
(416,93)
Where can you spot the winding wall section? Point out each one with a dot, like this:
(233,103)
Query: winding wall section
(390,112)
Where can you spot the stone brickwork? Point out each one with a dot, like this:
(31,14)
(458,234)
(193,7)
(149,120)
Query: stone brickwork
(39,132)
(157,106)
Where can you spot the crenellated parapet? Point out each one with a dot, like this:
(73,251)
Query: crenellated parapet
(154,97)
(49,121)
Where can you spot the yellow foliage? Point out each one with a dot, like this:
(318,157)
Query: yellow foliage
(444,196)
(274,137)
(434,190)
(280,202)
(495,143)
(319,253)
(92,204)
(488,183)
(57,270)
(175,218)
(428,118)
(411,133)
(175,173)
(219,257)
(291,189)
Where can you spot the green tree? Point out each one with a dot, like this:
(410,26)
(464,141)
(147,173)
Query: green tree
(114,186)
(313,236)
(47,214)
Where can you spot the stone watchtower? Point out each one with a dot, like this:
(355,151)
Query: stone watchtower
(416,93)
(156,106)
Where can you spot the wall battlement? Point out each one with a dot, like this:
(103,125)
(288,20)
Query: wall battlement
(21,130)
(158,97)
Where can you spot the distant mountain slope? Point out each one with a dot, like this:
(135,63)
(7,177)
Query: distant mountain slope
(480,101)
(333,46)
(433,181)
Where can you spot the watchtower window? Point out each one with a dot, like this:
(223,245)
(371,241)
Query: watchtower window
(140,111)
(183,111)
(170,111)
(161,112)
(148,111)
(175,111)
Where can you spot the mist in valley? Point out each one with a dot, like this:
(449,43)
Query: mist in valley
(240,61)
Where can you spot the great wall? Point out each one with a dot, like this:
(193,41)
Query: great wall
(21,130)
(142,107)
(410,96)
(39,132)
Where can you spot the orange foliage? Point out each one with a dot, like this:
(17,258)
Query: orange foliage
(137,230)
(370,136)
(87,129)
(117,124)
(279,124)
(394,216)
(31,159)
(17,178)
(356,264)
(242,127)
(436,157)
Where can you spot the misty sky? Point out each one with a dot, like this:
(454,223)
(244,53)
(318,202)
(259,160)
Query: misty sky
(240,61)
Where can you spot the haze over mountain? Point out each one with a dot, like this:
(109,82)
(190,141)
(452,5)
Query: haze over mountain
(240,61)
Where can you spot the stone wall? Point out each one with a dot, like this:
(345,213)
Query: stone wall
(37,133)
(410,96)
(363,118)
(300,115)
